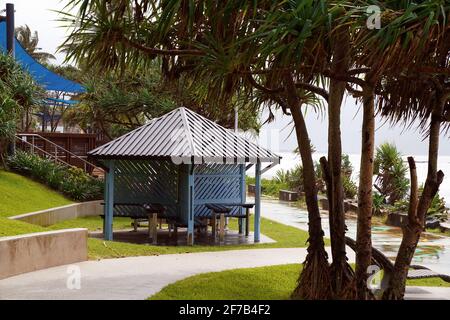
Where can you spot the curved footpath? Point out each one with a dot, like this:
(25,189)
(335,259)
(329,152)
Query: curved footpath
(140,277)
(137,277)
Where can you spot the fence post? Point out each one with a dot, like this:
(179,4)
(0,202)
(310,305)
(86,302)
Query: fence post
(257,221)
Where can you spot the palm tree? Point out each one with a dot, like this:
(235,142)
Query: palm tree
(29,42)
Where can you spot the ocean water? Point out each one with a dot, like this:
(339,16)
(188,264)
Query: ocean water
(290,159)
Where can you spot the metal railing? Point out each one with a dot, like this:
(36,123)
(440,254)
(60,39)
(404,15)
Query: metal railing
(57,149)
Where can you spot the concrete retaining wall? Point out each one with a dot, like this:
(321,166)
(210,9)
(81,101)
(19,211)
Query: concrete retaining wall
(35,251)
(397,219)
(287,195)
(54,215)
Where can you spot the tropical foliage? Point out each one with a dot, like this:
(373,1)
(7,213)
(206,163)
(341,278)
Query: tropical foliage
(391,173)
(378,204)
(29,41)
(437,210)
(293,178)
(72,182)
(114,105)
(18,96)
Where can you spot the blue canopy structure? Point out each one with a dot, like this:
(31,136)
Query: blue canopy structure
(43,76)
(62,102)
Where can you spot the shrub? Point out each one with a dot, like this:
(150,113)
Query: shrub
(72,182)
(18,95)
(350,187)
(378,203)
(270,187)
(437,209)
(391,180)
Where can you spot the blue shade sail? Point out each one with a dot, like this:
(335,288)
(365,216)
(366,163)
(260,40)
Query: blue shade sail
(43,76)
(65,103)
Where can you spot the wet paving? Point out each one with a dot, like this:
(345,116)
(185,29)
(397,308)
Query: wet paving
(433,250)
(165,239)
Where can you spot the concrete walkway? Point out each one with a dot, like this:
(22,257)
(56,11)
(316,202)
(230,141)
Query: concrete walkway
(139,277)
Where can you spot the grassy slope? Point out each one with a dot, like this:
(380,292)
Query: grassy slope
(264,283)
(13,227)
(20,195)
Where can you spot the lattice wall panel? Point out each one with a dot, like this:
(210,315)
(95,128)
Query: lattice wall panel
(216,183)
(146,182)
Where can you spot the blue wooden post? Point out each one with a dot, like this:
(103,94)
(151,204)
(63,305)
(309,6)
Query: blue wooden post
(191,201)
(257,227)
(242,173)
(109,201)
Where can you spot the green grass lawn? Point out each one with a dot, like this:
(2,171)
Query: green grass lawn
(13,227)
(439,232)
(19,195)
(263,283)
(286,237)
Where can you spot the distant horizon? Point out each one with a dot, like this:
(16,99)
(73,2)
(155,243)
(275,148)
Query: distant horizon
(409,141)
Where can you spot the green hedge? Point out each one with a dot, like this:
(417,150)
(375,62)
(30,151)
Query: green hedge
(72,182)
(270,187)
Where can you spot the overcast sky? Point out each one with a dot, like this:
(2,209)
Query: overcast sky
(39,15)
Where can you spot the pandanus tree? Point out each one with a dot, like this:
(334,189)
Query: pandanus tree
(424,95)
(408,58)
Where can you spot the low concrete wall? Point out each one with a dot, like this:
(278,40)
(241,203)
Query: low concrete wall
(54,215)
(397,219)
(287,195)
(35,251)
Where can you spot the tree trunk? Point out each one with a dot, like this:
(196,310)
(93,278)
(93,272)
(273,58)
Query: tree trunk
(341,272)
(364,231)
(314,281)
(416,218)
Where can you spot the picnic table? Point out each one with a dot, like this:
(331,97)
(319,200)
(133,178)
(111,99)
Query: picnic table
(224,210)
(153,212)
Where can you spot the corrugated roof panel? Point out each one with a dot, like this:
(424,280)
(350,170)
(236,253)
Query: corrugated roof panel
(183,133)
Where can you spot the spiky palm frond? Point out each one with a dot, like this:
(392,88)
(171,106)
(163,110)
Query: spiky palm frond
(407,56)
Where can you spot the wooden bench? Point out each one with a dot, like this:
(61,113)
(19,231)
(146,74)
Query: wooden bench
(225,211)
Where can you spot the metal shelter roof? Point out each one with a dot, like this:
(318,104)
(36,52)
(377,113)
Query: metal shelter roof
(184,135)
